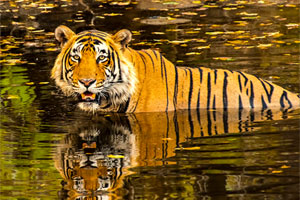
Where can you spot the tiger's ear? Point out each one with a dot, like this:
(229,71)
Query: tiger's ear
(122,37)
(63,34)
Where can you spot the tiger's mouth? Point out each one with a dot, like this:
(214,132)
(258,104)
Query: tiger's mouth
(88,97)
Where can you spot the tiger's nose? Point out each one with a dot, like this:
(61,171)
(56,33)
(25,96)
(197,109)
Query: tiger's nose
(87,82)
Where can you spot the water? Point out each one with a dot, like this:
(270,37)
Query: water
(51,150)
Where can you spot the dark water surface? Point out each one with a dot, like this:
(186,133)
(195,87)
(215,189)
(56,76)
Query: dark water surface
(51,150)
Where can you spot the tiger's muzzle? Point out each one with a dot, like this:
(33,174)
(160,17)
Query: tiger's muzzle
(87,93)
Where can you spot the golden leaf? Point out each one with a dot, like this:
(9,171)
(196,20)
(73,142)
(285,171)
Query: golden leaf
(189,13)
(193,53)
(115,156)
(202,47)
(158,33)
(166,139)
(188,148)
(12,97)
(276,171)
(44,83)
(51,49)
(285,166)
(112,14)
(264,46)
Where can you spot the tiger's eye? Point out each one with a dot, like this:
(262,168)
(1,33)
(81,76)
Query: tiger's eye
(76,57)
(102,59)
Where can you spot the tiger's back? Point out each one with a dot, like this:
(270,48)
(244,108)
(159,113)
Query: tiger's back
(165,87)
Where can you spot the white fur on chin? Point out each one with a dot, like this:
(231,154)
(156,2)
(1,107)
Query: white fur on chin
(88,106)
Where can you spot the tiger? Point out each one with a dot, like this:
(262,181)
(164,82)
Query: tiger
(106,75)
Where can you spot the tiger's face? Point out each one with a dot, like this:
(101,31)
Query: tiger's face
(91,67)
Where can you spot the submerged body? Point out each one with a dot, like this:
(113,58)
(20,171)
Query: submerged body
(106,75)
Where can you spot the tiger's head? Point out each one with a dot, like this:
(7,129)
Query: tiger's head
(93,68)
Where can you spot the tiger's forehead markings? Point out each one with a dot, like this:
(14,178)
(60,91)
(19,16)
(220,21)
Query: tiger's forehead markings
(93,34)
(90,41)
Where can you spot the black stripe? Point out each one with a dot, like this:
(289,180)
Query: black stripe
(199,121)
(166,78)
(97,42)
(201,74)
(284,96)
(64,62)
(190,89)
(167,135)
(240,102)
(214,108)
(216,75)
(225,103)
(216,131)
(123,107)
(246,125)
(198,116)
(240,109)
(208,123)
(175,88)
(114,61)
(198,111)
(154,53)
(119,66)
(176,128)
(143,59)
(240,126)
(269,115)
(191,124)
(114,65)
(151,59)
(245,77)
(252,117)
(161,66)
(185,71)
(136,104)
(202,134)
(263,103)
(208,90)
(225,121)
(251,95)
(82,40)
(89,35)
(240,84)
(269,94)
(109,60)
(225,99)
(198,99)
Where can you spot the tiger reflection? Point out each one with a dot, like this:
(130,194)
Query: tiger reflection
(92,158)
(95,156)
